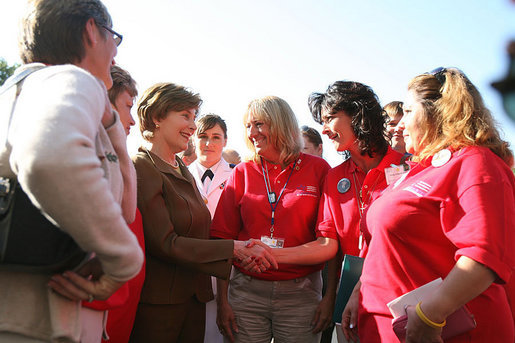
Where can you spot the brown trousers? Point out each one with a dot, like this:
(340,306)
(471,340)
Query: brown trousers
(183,323)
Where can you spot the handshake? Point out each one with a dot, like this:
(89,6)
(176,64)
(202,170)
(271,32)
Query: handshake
(254,255)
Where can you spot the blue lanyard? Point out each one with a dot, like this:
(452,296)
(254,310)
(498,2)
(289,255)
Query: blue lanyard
(273,204)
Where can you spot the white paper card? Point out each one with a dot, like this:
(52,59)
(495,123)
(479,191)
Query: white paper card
(397,306)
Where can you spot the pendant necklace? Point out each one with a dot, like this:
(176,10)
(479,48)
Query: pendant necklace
(362,203)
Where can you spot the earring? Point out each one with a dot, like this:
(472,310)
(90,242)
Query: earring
(157,126)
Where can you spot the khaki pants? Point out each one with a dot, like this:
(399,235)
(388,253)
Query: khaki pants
(282,310)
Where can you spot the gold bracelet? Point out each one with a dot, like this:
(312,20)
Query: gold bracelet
(428,321)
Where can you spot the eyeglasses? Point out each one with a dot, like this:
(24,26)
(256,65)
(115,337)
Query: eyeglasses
(116,36)
(439,74)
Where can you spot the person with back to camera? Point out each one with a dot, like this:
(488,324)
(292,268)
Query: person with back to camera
(452,216)
(394,113)
(179,256)
(273,198)
(312,141)
(211,171)
(67,149)
(231,156)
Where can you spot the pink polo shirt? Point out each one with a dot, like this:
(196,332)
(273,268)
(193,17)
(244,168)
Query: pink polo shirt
(244,212)
(419,228)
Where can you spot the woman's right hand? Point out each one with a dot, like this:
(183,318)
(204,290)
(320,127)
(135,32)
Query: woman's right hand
(350,315)
(254,255)
(225,319)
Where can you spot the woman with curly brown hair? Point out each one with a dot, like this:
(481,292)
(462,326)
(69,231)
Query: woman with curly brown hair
(451,217)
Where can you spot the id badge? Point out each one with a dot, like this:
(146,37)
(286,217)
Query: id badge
(394,173)
(273,242)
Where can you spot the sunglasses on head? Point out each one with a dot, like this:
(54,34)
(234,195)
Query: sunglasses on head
(439,74)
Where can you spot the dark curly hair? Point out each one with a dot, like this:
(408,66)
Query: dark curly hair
(359,102)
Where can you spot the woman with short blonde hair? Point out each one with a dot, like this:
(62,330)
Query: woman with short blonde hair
(284,129)
(274,198)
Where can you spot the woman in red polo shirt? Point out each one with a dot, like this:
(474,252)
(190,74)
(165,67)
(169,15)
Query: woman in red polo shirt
(452,216)
(272,198)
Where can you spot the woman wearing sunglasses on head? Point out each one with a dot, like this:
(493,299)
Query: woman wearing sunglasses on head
(451,217)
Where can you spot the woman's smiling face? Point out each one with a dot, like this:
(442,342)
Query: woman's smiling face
(176,129)
(258,132)
(338,128)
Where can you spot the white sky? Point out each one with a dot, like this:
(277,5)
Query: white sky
(232,51)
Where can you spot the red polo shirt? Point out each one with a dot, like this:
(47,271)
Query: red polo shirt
(244,212)
(339,211)
(421,226)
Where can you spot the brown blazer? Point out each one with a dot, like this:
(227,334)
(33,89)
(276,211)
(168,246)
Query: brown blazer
(179,256)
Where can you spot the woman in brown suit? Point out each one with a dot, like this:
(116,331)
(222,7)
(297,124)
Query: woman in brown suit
(176,224)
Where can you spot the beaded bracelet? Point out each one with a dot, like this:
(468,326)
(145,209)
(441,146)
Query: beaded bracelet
(428,321)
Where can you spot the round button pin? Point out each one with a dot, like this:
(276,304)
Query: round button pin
(343,185)
(441,158)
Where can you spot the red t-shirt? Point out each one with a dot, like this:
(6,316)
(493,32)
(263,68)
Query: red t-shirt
(419,228)
(244,212)
(339,212)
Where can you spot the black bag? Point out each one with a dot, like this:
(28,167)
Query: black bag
(28,240)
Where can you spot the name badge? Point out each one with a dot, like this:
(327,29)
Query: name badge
(394,173)
(272,198)
(273,242)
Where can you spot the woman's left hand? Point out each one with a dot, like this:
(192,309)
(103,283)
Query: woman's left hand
(419,332)
(323,314)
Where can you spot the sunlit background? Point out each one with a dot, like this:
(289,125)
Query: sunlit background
(232,51)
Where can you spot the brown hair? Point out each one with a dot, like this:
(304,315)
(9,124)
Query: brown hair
(454,115)
(393,109)
(312,135)
(208,121)
(122,81)
(360,103)
(52,30)
(161,98)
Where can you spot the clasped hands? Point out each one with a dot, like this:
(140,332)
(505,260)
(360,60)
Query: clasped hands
(254,255)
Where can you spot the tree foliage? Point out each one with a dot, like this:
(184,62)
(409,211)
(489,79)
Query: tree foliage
(6,70)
